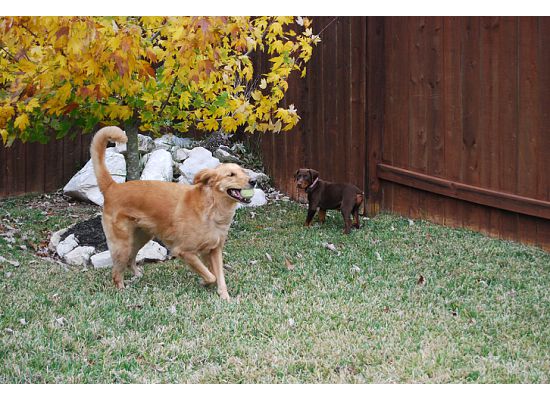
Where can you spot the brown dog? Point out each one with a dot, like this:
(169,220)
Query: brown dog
(192,220)
(325,196)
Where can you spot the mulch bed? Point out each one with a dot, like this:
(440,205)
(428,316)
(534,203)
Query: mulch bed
(89,233)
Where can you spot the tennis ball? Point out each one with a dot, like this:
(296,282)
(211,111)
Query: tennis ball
(247,193)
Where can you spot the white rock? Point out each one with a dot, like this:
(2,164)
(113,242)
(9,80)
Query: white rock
(102,260)
(259,199)
(169,142)
(165,142)
(180,155)
(182,142)
(79,256)
(259,177)
(225,156)
(158,167)
(199,158)
(145,145)
(66,245)
(55,239)
(183,180)
(152,251)
(11,262)
(83,185)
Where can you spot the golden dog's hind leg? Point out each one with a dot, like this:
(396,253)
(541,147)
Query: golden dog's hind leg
(124,240)
(119,247)
(216,261)
(121,258)
(140,239)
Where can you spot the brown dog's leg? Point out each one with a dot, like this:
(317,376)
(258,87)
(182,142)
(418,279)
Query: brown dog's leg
(322,215)
(358,202)
(356,223)
(310,215)
(348,204)
(347,221)
(216,261)
(197,265)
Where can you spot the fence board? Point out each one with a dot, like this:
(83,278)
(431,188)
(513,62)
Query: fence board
(396,139)
(373,108)
(34,177)
(508,117)
(435,135)
(527,173)
(489,92)
(452,113)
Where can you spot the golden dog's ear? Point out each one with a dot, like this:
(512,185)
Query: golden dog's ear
(204,175)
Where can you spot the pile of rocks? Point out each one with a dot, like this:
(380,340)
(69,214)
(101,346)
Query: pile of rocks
(72,252)
(168,158)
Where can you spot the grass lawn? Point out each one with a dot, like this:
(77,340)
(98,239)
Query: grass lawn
(393,302)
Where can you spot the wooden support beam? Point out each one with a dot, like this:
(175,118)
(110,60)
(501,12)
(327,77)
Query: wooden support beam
(462,191)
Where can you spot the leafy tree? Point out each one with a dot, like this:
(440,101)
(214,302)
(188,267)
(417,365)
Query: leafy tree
(147,73)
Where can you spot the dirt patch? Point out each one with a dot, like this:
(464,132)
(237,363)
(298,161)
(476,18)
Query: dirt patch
(58,204)
(89,233)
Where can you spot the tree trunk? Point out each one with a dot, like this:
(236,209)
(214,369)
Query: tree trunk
(132,154)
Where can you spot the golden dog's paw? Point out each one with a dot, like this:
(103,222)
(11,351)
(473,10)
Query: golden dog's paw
(224,295)
(137,271)
(205,283)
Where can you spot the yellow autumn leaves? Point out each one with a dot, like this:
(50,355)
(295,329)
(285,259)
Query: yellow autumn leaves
(175,72)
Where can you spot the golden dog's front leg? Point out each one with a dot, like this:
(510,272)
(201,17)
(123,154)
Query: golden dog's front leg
(216,261)
(197,265)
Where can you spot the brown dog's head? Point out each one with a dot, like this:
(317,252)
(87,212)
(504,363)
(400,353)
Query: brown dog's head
(305,177)
(228,179)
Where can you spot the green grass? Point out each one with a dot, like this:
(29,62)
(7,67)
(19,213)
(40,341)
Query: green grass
(480,315)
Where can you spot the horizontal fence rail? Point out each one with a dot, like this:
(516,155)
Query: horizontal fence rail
(461,191)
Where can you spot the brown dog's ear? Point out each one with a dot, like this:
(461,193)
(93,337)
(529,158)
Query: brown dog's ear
(296,174)
(314,174)
(203,176)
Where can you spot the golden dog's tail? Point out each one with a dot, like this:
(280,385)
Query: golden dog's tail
(97,150)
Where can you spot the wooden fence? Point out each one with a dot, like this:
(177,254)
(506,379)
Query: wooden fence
(444,118)
(39,168)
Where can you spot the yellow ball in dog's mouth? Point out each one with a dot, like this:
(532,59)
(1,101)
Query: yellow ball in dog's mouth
(247,193)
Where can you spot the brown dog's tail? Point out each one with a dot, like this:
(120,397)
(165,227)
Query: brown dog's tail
(97,149)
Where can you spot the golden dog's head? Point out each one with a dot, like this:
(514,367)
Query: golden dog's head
(227,178)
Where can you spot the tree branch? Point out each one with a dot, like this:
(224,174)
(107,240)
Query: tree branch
(165,103)
(263,37)
(327,25)
(11,56)
(28,30)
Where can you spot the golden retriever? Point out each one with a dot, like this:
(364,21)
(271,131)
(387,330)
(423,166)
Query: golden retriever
(191,220)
